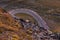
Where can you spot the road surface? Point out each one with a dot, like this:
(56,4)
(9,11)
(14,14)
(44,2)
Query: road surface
(37,17)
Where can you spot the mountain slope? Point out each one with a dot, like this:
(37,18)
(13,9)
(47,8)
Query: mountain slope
(11,27)
(7,21)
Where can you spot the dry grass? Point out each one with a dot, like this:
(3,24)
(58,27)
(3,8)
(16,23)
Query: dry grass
(14,28)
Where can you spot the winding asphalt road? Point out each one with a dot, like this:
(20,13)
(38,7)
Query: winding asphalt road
(37,17)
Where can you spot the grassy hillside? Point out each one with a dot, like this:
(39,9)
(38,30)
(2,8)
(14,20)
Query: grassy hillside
(12,28)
